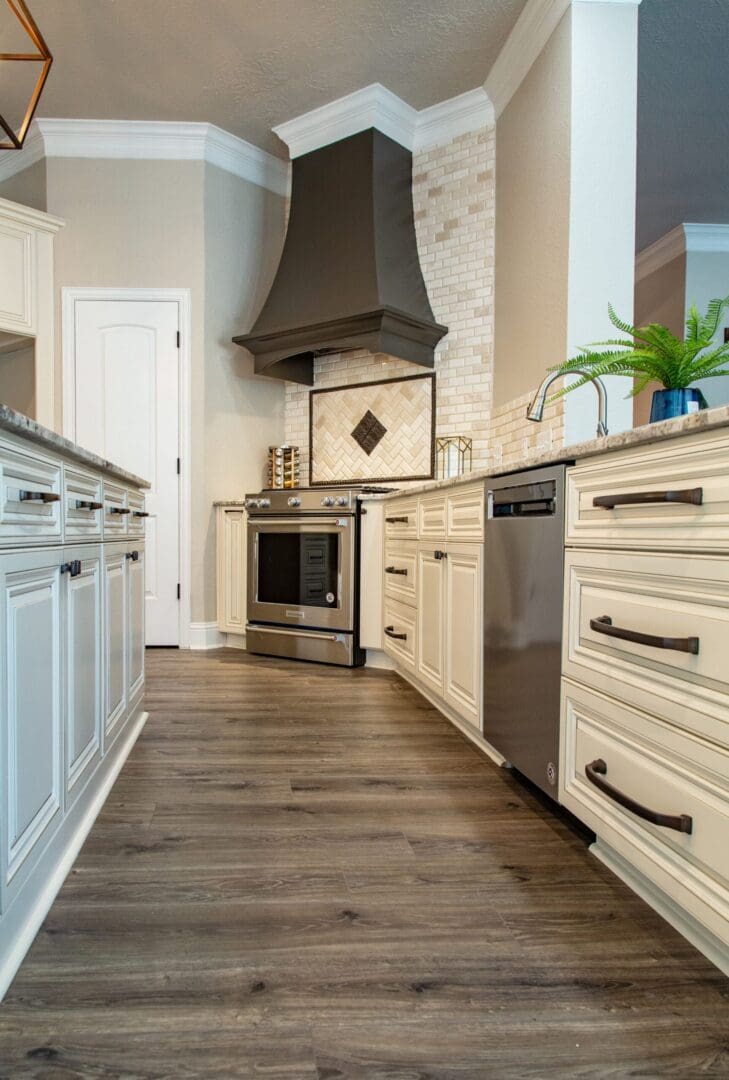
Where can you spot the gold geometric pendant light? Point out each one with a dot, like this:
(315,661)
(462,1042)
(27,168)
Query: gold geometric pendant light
(42,56)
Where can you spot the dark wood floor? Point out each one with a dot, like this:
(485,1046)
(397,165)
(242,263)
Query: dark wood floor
(305,872)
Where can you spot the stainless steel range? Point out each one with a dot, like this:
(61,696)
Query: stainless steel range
(303,574)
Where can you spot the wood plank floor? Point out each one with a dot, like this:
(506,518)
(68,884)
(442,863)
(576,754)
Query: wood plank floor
(306,872)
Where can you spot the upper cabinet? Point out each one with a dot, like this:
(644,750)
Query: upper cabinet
(26,301)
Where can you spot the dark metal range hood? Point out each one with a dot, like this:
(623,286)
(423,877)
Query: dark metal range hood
(349,276)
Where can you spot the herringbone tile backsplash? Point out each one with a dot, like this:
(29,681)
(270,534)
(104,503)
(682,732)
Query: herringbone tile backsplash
(403,408)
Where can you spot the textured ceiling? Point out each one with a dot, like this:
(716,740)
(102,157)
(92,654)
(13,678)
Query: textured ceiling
(247,66)
(683,115)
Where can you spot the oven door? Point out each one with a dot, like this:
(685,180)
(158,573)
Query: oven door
(301,571)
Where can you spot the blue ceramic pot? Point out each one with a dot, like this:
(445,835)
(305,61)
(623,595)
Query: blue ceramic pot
(669,403)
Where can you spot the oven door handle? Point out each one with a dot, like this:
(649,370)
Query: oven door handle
(318,634)
(299,521)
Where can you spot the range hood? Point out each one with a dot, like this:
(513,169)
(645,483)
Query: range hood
(349,276)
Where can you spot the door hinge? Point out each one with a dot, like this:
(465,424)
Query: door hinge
(178,466)
(179,340)
(179,597)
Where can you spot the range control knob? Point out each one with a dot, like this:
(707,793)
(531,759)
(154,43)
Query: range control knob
(263,503)
(342,500)
(294,500)
(251,504)
(327,501)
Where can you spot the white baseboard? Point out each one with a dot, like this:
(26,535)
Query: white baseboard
(713,949)
(378,658)
(24,917)
(205,635)
(235,641)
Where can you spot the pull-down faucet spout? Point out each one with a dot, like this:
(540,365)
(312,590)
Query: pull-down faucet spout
(535,410)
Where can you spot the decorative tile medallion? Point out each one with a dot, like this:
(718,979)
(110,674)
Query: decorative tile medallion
(369,432)
(373,431)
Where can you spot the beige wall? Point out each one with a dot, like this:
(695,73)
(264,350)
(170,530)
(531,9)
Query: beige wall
(659,297)
(244,414)
(27,187)
(17,377)
(532,223)
(185,225)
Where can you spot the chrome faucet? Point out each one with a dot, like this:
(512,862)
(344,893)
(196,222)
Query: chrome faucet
(535,411)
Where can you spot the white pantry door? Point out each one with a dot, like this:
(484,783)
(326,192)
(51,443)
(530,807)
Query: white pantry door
(127,410)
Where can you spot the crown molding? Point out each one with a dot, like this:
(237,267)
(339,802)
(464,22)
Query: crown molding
(148,140)
(689,238)
(441,123)
(377,107)
(373,106)
(530,33)
(27,215)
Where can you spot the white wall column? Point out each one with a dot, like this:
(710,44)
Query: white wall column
(604,94)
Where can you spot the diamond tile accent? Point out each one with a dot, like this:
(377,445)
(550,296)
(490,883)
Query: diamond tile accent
(404,410)
(369,432)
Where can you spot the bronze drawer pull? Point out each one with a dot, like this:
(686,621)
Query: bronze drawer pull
(119,510)
(396,570)
(693,496)
(88,504)
(438,555)
(604,625)
(679,822)
(73,569)
(397,520)
(140,513)
(390,631)
(39,496)
(133,555)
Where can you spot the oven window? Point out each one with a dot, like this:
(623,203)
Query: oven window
(298,569)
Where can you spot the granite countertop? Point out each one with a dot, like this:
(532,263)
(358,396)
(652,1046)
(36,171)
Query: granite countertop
(18,424)
(229,502)
(706,420)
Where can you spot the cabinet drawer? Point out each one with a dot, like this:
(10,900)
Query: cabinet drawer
(663,772)
(82,504)
(465,513)
(401,570)
(400,632)
(674,495)
(432,517)
(116,511)
(401,518)
(673,603)
(138,515)
(30,498)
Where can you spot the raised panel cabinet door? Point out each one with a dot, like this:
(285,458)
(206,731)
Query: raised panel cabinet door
(115,639)
(17,249)
(135,619)
(430,606)
(232,568)
(464,631)
(31,706)
(83,685)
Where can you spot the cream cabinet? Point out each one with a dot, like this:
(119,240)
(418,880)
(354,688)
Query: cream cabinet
(71,674)
(32,708)
(430,607)
(232,569)
(644,732)
(26,293)
(433,596)
(83,640)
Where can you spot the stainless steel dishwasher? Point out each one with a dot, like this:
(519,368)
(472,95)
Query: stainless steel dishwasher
(523,582)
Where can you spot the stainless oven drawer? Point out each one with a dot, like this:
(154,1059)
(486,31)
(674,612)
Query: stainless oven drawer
(320,646)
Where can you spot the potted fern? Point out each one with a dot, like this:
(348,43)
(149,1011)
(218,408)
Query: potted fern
(652,353)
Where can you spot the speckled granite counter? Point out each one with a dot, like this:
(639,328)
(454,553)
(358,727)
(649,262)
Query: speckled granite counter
(16,423)
(623,440)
